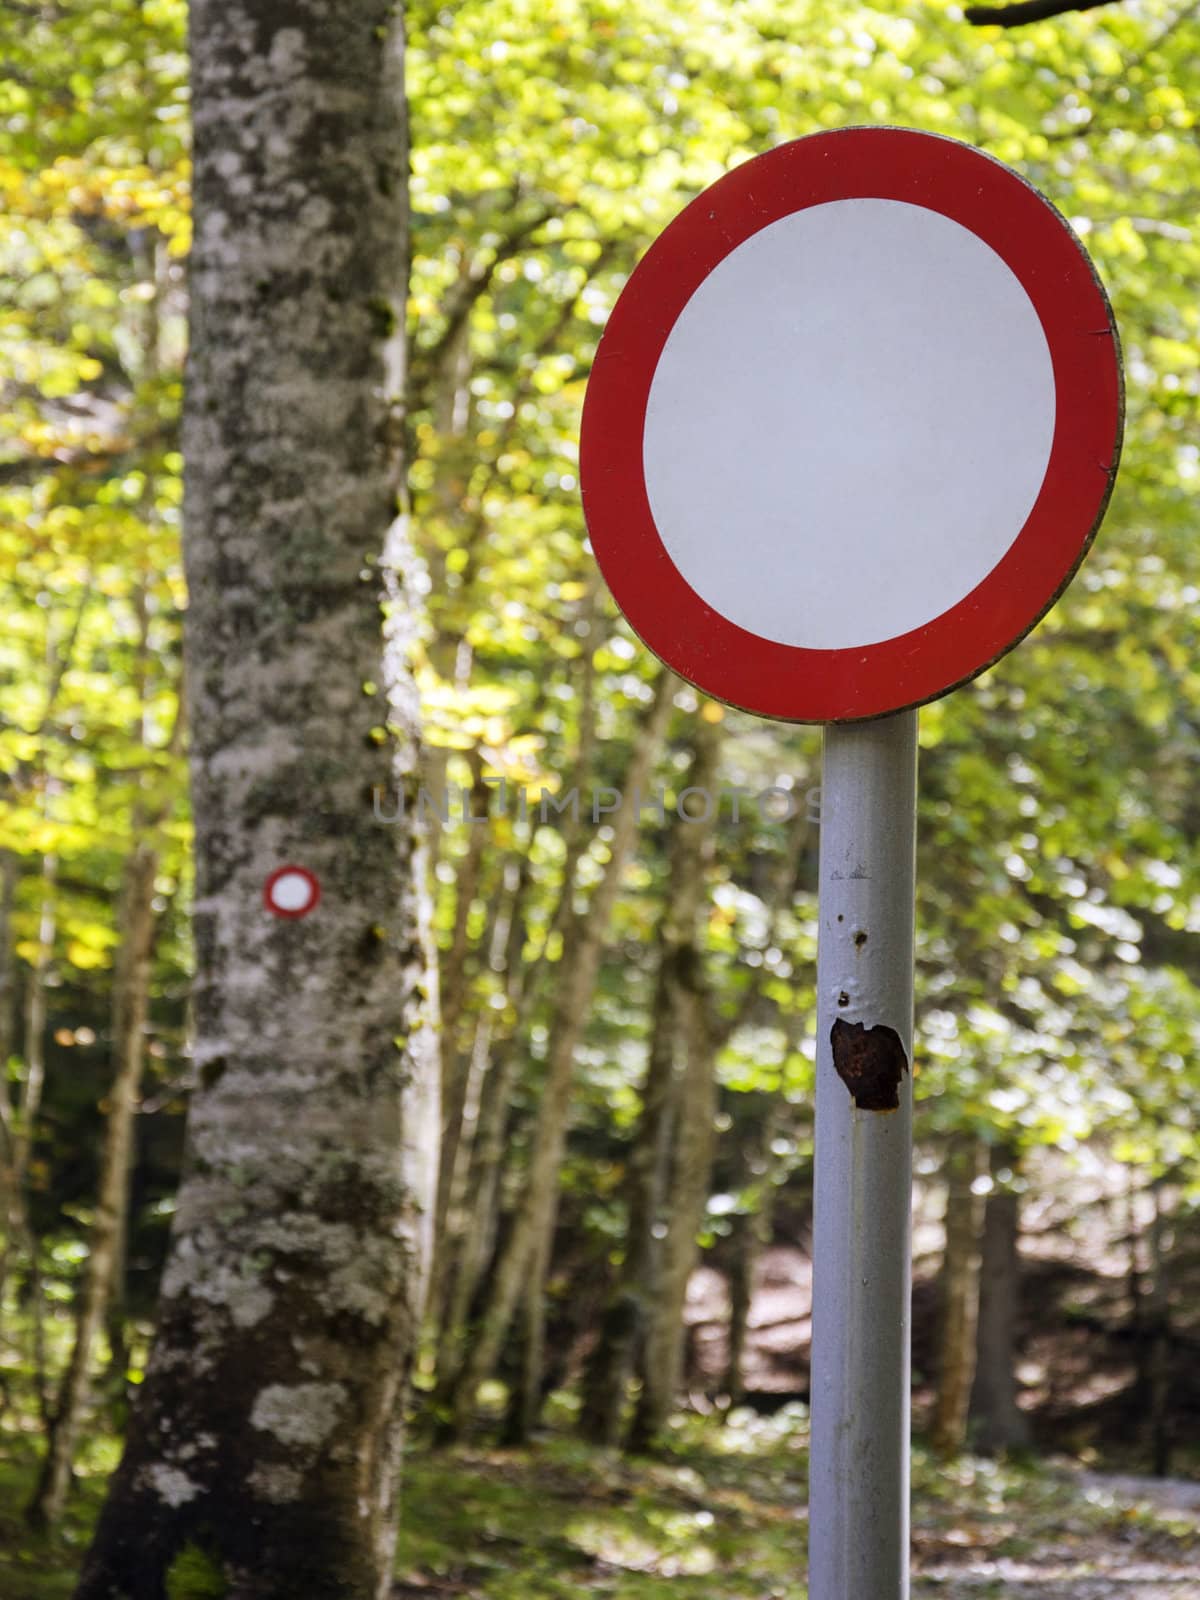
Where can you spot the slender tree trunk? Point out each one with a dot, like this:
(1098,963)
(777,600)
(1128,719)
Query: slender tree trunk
(471,1229)
(456,1064)
(8,887)
(745,1245)
(131,988)
(998,1423)
(697,1040)
(959,1296)
(752,1231)
(631,1306)
(506,947)
(263,1448)
(662,1364)
(610,1366)
(526,1404)
(1157,1331)
(471,1222)
(29,1099)
(578,971)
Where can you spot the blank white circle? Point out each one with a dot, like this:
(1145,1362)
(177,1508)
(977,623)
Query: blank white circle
(849,424)
(291,891)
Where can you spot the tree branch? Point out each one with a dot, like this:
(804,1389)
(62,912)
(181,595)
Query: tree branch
(1016,16)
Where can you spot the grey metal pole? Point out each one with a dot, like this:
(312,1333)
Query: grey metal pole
(858,1490)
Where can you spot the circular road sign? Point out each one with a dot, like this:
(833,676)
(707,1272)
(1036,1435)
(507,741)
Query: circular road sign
(852,425)
(291,892)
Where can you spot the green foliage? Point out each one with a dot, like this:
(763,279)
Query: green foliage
(1058,832)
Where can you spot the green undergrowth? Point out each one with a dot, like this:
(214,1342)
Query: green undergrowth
(719,1514)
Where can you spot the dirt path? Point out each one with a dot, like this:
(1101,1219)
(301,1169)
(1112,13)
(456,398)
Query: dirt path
(1148,1548)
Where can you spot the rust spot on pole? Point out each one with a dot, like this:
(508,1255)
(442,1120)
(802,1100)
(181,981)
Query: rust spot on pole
(871,1063)
(860,938)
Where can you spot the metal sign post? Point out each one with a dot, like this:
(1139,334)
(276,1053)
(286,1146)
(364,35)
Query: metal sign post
(850,430)
(858,1461)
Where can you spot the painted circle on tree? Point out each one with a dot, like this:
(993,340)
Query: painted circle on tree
(291,892)
(852,425)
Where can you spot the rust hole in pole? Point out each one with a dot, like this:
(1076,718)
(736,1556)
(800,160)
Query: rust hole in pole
(871,1063)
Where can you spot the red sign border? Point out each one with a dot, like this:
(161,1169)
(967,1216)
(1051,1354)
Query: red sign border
(788,682)
(300,911)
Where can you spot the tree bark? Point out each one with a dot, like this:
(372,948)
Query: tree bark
(959,1296)
(263,1449)
(998,1424)
(578,970)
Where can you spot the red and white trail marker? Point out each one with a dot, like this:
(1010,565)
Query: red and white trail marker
(291,892)
(852,425)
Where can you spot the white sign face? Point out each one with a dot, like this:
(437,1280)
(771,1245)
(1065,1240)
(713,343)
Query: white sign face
(858,401)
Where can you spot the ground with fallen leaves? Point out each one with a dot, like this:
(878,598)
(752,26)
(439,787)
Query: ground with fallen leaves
(719,1516)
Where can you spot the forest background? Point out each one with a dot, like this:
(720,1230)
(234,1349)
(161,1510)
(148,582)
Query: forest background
(626,999)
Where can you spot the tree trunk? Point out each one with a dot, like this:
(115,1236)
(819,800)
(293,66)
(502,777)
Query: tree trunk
(578,971)
(998,1423)
(745,1244)
(1157,1332)
(959,1296)
(8,888)
(29,1101)
(263,1449)
(131,988)
(752,1231)
(662,1364)
(697,1040)
(610,1366)
(456,1064)
(631,1306)
(470,1231)
(475,1185)
(525,1405)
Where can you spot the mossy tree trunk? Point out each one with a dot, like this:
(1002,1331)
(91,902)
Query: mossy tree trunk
(264,1443)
